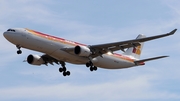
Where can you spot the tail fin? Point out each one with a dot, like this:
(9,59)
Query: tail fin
(135,51)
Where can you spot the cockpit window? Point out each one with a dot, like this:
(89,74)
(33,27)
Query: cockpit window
(11,30)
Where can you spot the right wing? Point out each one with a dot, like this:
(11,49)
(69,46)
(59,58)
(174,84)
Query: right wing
(48,59)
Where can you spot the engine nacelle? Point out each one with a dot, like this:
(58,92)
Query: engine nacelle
(35,60)
(82,51)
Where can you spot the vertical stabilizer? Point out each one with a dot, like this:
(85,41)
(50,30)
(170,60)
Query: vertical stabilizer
(135,51)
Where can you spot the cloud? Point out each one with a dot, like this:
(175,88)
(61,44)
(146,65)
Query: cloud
(137,88)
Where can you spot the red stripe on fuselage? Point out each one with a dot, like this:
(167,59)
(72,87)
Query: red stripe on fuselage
(49,37)
(53,38)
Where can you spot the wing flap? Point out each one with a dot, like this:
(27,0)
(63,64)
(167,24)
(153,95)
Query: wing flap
(101,51)
(50,60)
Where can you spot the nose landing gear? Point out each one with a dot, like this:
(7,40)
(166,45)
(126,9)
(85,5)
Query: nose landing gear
(19,51)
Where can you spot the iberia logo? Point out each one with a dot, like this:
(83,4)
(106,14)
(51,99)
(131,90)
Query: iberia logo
(137,50)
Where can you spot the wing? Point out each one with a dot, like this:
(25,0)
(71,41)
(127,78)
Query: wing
(48,59)
(104,48)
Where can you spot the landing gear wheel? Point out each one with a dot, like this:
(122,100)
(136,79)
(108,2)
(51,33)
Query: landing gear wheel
(95,68)
(60,69)
(68,73)
(91,68)
(87,64)
(64,74)
(64,69)
(19,52)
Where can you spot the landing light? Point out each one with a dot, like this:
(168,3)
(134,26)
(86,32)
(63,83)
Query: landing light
(109,53)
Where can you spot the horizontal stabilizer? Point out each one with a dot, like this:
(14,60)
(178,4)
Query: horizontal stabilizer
(149,59)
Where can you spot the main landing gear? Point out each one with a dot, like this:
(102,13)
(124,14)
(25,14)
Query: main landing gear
(19,51)
(64,70)
(92,67)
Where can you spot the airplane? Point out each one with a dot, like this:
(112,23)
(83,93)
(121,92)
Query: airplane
(58,50)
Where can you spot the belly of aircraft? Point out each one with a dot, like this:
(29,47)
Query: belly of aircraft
(67,57)
(109,62)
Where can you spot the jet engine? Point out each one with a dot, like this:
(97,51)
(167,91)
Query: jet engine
(35,60)
(82,51)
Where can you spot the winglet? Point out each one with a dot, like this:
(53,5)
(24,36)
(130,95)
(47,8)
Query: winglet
(172,32)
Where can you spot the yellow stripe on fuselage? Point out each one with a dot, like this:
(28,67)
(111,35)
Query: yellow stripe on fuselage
(123,57)
(53,38)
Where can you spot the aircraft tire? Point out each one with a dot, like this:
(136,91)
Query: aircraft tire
(60,69)
(91,69)
(87,64)
(64,69)
(19,52)
(95,68)
(64,74)
(68,73)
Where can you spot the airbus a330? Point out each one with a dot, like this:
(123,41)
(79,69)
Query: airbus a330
(58,50)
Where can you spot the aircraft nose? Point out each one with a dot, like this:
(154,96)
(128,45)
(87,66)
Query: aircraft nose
(8,36)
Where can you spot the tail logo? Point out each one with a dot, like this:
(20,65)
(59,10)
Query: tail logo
(137,50)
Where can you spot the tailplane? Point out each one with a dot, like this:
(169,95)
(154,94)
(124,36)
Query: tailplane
(136,50)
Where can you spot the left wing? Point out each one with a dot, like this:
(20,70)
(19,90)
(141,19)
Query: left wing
(104,48)
(99,50)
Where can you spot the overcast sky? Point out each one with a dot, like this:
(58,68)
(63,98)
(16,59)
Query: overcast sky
(92,22)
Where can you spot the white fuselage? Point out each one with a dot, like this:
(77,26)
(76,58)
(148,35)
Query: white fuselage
(53,46)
